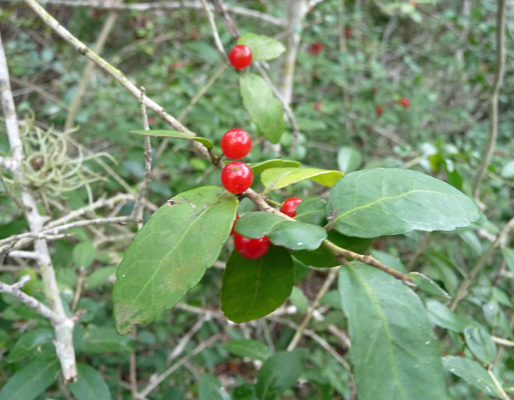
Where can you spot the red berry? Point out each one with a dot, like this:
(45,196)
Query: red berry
(317,106)
(414,3)
(236,177)
(380,110)
(240,56)
(236,143)
(348,32)
(405,102)
(289,206)
(316,48)
(234,226)
(251,248)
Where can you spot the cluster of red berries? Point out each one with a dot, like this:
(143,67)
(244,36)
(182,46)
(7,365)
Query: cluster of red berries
(237,176)
(255,248)
(404,101)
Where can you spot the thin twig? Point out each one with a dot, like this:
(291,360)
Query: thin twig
(133,367)
(419,250)
(480,264)
(181,345)
(80,283)
(342,254)
(137,213)
(215,33)
(14,290)
(172,5)
(153,384)
(493,127)
(323,290)
(498,386)
(502,342)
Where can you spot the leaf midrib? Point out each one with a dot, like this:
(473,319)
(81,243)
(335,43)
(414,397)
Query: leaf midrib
(218,199)
(339,217)
(34,377)
(386,328)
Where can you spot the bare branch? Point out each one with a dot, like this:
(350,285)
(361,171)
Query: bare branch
(493,128)
(153,384)
(323,290)
(173,5)
(215,33)
(14,290)
(63,326)
(480,264)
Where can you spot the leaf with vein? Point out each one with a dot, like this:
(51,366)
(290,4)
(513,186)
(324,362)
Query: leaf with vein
(394,354)
(390,201)
(170,253)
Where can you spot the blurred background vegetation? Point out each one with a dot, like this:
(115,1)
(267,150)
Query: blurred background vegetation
(354,56)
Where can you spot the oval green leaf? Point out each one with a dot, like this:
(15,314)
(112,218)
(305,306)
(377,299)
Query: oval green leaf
(175,135)
(441,316)
(392,358)
(264,109)
(253,288)
(90,384)
(480,343)
(210,388)
(260,167)
(312,211)
(472,372)
(348,159)
(32,379)
(248,348)
(263,47)
(280,373)
(257,224)
(297,235)
(84,254)
(392,201)
(278,178)
(165,259)
(427,285)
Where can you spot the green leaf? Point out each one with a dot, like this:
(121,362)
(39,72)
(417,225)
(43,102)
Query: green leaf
(263,47)
(427,285)
(175,135)
(105,340)
(280,372)
(472,372)
(297,235)
(312,211)
(392,357)
(480,343)
(289,234)
(99,277)
(322,258)
(29,342)
(211,389)
(348,159)
(90,384)
(165,259)
(248,348)
(332,299)
(441,316)
(31,380)
(299,300)
(392,201)
(253,288)
(256,224)
(260,167)
(508,169)
(278,178)
(508,255)
(84,254)
(264,109)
